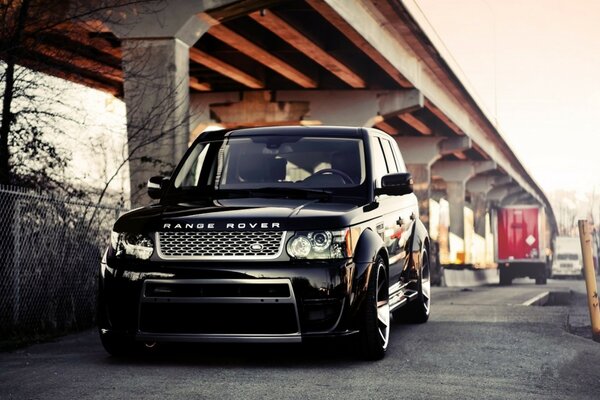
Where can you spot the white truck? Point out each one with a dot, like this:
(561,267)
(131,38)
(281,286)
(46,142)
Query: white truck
(567,260)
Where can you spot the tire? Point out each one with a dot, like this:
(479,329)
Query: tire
(505,277)
(375,319)
(542,280)
(417,311)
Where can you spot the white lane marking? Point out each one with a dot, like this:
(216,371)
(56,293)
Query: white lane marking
(538,300)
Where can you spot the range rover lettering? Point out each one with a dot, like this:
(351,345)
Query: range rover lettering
(272,235)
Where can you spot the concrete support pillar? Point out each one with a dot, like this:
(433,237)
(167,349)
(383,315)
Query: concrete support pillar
(478,188)
(456,174)
(482,252)
(156,97)
(419,154)
(155,45)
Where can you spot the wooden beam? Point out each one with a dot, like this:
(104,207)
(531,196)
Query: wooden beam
(259,54)
(460,155)
(415,123)
(384,126)
(197,85)
(72,73)
(438,113)
(70,57)
(200,57)
(240,9)
(336,20)
(299,41)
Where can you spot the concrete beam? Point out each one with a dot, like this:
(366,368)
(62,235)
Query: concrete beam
(353,108)
(427,150)
(521,197)
(258,108)
(498,193)
(420,150)
(400,102)
(484,183)
(455,145)
(461,171)
(180,19)
(381,32)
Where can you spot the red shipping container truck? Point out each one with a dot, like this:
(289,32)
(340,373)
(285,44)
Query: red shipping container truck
(522,240)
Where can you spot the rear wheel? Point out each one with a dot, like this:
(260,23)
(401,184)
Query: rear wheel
(375,329)
(417,312)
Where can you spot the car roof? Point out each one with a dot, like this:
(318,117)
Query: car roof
(321,131)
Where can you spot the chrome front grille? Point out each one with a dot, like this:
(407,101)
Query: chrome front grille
(220,245)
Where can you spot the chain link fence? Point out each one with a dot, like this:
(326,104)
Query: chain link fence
(50,250)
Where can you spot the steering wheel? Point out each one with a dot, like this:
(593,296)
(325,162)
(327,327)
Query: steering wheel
(334,171)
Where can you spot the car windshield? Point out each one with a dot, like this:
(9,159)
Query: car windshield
(292,163)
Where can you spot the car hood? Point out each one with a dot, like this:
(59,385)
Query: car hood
(241,214)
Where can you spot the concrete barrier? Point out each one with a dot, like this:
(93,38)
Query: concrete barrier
(470,277)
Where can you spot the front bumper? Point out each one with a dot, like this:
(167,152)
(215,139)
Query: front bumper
(230,302)
(567,270)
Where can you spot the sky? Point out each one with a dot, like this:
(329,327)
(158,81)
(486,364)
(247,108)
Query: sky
(534,67)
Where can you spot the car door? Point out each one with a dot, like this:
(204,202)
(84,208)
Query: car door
(398,212)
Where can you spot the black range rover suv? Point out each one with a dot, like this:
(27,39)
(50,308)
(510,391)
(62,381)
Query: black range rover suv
(270,235)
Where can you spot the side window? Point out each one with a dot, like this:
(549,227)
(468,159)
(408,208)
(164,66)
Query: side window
(397,156)
(389,156)
(379,165)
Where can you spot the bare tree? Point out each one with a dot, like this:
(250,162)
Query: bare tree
(36,35)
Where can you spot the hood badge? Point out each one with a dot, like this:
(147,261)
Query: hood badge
(229,225)
(256,247)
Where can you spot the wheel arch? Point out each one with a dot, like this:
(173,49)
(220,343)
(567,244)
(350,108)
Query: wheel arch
(420,241)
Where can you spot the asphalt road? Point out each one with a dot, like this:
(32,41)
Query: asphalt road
(480,343)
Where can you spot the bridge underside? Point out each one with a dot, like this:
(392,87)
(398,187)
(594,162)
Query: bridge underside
(181,66)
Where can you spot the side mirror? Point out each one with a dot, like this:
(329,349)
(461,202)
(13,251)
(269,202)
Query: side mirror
(156,186)
(396,184)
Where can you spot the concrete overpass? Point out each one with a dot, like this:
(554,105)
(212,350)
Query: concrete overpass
(182,65)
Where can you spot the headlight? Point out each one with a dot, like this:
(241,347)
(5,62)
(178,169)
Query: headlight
(132,244)
(320,245)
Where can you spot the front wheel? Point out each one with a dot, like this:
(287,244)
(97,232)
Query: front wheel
(375,330)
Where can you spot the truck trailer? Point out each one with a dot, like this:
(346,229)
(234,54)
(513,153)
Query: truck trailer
(522,243)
